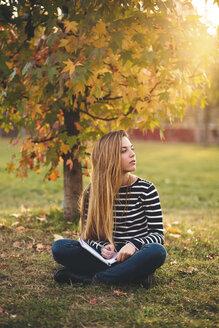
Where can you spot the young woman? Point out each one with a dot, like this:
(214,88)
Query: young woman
(121,213)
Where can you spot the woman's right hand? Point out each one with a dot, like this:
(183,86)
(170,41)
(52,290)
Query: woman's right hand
(108,251)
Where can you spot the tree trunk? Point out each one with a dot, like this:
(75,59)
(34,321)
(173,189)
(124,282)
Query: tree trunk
(72,176)
(72,190)
(207,118)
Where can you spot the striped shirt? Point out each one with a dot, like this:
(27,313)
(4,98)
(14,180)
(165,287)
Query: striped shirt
(137,217)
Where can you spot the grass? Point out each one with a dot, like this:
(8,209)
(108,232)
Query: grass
(185,289)
(31,193)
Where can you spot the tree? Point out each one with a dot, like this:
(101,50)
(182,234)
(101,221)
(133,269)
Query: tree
(212,108)
(73,70)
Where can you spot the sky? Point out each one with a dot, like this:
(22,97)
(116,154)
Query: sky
(209,13)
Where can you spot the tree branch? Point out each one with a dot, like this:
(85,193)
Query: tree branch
(106,98)
(154,87)
(98,118)
(43,140)
(106,118)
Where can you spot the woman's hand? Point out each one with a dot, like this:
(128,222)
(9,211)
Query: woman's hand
(125,252)
(108,251)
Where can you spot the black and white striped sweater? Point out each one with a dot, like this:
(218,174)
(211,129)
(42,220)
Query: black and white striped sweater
(137,217)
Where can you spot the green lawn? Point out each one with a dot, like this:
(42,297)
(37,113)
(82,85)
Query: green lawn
(28,193)
(185,289)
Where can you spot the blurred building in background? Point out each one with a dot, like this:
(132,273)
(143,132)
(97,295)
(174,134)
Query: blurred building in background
(198,126)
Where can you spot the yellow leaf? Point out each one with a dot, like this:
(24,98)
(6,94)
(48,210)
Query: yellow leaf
(63,43)
(142,91)
(9,64)
(101,27)
(71,26)
(69,43)
(65,148)
(42,147)
(36,109)
(139,106)
(131,92)
(173,230)
(79,87)
(10,167)
(91,100)
(100,42)
(70,67)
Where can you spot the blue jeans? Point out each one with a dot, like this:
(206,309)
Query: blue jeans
(76,259)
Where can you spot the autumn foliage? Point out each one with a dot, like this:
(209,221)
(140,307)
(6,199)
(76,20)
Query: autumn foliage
(73,71)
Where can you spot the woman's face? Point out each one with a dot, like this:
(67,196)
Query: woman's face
(128,156)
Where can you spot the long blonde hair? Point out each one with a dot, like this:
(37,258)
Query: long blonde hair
(106,180)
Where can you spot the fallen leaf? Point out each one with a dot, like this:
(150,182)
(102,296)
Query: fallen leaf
(4,264)
(39,247)
(13,316)
(186,242)
(92,300)
(172,283)
(211,256)
(174,235)
(17,244)
(189,270)
(173,262)
(15,224)
(72,233)
(42,219)
(119,292)
(57,237)
(173,230)
(29,246)
(20,228)
(24,209)
(16,215)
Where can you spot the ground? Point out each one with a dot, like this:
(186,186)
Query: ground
(185,288)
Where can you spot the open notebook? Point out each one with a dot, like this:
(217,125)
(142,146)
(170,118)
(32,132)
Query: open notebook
(109,262)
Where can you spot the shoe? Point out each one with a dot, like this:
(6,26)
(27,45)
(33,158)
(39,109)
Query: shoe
(63,276)
(147,282)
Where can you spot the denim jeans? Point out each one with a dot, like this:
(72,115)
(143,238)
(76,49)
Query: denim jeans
(71,255)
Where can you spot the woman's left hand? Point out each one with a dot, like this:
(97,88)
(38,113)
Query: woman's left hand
(125,252)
